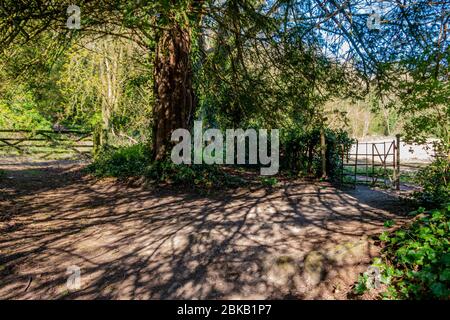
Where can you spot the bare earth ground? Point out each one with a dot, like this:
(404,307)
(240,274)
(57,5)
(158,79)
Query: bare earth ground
(303,240)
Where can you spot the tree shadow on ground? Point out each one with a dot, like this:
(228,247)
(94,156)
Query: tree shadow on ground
(302,240)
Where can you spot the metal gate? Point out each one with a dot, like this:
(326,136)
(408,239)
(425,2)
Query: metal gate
(372,163)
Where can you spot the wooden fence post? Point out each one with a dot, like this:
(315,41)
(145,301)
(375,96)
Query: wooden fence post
(323,152)
(99,138)
(397,159)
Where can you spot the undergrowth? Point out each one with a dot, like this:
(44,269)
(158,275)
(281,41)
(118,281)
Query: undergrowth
(135,161)
(198,175)
(435,181)
(121,162)
(415,260)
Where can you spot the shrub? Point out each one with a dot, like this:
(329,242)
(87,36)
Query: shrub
(301,153)
(434,180)
(121,162)
(268,181)
(136,160)
(417,258)
(198,175)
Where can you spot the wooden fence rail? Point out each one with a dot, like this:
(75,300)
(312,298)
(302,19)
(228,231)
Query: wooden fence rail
(46,143)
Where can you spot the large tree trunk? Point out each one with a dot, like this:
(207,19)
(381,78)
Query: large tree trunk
(174,105)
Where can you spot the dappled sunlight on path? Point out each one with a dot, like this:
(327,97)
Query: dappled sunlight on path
(301,240)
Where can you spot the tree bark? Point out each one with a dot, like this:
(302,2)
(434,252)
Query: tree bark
(175,101)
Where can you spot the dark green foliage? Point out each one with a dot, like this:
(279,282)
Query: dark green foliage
(300,151)
(434,180)
(361,284)
(121,162)
(195,175)
(268,181)
(134,161)
(418,258)
(389,223)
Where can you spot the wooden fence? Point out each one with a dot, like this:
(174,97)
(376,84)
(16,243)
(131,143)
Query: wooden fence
(47,144)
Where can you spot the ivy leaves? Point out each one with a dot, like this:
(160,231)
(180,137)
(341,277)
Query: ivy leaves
(418,258)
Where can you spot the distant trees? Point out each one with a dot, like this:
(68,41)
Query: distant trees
(247,62)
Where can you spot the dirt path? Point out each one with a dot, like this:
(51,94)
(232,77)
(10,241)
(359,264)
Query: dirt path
(298,241)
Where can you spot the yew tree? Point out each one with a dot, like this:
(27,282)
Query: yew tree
(228,32)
